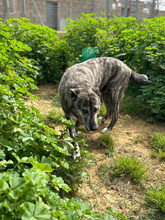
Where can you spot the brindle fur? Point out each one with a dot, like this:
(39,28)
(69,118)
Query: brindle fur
(84,85)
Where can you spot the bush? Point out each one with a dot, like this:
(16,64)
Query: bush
(82,33)
(32,154)
(141,48)
(47,49)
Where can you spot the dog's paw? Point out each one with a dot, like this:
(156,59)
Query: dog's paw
(76,151)
(76,155)
(105,130)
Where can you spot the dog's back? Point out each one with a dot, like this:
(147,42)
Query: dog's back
(96,71)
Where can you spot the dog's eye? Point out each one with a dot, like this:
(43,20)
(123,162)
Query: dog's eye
(84,111)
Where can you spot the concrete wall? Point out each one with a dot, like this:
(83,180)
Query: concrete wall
(72,8)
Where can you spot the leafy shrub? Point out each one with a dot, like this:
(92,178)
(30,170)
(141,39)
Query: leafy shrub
(81,33)
(118,39)
(32,154)
(129,106)
(47,49)
(141,48)
(150,48)
(129,167)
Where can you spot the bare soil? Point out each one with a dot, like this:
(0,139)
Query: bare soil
(132,137)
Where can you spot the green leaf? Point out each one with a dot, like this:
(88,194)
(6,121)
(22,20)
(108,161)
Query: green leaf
(59,182)
(107,217)
(3,186)
(42,166)
(4,163)
(16,182)
(114,212)
(39,211)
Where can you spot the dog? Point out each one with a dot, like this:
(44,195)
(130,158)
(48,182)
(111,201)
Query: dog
(84,85)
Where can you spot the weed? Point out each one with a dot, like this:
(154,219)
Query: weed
(137,140)
(158,144)
(56,112)
(155,199)
(130,167)
(103,170)
(159,155)
(56,100)
(106,141)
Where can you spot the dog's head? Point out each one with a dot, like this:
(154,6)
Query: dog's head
(87,104)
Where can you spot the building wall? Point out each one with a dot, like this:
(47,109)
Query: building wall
(35,10)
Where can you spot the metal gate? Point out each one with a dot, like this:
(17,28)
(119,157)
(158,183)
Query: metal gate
(51,14)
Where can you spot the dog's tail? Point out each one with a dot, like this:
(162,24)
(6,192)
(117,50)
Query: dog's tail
(139,78)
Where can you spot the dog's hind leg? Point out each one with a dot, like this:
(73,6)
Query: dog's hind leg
(107,101)
(115,115)
(115,97)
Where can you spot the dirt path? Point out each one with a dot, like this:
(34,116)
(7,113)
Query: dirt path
(131,138)
(131,135)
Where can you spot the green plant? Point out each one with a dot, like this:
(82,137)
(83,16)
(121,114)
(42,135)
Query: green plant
(55,113)
(141,48)
(116,214)
(35,161)
(137,140)
(158,144)
(158,141)
(132,107)
(104,171)
(155,199)
(106,141)
(47,50)
(118,39)
(81,33)
(56,100)
(129,167)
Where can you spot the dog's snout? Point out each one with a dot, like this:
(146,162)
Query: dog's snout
(93,129)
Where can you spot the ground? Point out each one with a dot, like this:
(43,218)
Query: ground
(132,137)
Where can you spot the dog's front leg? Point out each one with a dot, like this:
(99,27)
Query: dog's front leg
(73,130)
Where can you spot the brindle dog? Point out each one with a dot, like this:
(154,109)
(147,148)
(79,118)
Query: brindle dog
(84,85)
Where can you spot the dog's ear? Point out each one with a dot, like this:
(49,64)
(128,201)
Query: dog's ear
(75,92)
(97,91)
